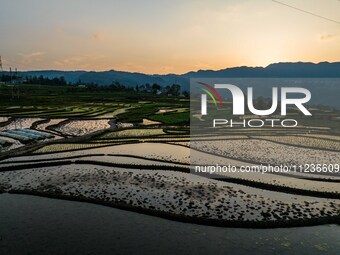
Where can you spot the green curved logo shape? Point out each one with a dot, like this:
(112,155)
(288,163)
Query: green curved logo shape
(210,94)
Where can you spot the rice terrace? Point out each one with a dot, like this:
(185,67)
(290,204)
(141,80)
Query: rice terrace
(169,127)
(131,150)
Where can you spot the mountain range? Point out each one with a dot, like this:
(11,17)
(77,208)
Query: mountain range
(277,70)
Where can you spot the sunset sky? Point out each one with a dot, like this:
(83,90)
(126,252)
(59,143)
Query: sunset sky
(158,36)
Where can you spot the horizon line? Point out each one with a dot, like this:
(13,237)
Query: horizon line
(214,70)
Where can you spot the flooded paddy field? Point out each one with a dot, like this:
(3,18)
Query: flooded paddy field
(66,227)
(116,177)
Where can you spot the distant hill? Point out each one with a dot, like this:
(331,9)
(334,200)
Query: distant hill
(277,70)
(107,77)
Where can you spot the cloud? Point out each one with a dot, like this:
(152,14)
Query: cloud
(32,55)
(325,37)
(86,62)
(28,60)
(99,36)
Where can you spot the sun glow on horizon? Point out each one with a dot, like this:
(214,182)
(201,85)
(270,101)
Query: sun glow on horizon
(161,37)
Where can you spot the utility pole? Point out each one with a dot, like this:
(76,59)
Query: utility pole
(1,66)
(1,69)
(10,80)
(15,75)
(17,82)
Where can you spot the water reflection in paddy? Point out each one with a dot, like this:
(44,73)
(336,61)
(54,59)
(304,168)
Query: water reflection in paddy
(35,225)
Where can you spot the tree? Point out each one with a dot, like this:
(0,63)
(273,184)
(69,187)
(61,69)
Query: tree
(175,90)
(186,93)
(148,87)
(155,88)
(41,80)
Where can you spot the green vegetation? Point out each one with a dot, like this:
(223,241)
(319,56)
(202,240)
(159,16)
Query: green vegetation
(140,132)
(64,147)
(173,118)
(177,131)
(69,101)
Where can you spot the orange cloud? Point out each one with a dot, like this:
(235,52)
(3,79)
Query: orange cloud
(99,36)
(32,55)
(29,58)
(325,37)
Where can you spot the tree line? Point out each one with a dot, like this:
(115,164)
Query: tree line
(169,90)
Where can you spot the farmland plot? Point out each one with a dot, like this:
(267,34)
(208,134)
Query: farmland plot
(83,127)
(259,151)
